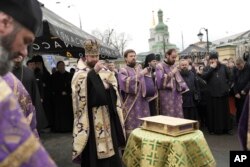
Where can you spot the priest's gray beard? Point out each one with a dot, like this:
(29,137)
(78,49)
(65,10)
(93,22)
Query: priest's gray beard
(6,55)
(5,63)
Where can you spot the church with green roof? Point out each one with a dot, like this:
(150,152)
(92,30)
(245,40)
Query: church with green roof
(159,36)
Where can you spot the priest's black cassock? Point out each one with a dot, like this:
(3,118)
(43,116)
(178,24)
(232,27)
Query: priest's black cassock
(61,88)
(241,83)
(43,80)
(218,115)
(189,103)
(98,96)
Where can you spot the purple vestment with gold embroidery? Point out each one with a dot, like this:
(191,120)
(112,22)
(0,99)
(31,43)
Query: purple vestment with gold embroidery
(24,100)
(19,146)
(170,86)
(135,103)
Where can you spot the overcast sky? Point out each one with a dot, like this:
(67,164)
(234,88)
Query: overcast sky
(134,17)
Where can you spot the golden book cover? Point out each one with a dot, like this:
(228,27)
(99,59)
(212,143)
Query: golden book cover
(169,125)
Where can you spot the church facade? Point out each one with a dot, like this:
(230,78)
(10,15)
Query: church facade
(159,36)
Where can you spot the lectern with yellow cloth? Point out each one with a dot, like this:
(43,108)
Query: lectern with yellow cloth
(150,149)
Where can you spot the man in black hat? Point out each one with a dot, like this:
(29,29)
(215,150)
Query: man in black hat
(30,64)
(43,79)
(19,22)
(218,78)
(158,58)
(150,63)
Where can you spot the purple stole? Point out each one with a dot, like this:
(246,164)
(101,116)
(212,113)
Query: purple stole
(24,100)
(172,81)
(170,86)
(135,104)
(19,146)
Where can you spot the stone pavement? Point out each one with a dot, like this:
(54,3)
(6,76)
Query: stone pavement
(59,147)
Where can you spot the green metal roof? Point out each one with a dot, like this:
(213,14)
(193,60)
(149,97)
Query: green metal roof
(161,27)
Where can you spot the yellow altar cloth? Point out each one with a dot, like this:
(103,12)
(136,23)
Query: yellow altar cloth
(150,149)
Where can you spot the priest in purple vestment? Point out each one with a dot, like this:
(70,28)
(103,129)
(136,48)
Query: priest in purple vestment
(24,100)
(244,125)
(170,86)
(133,90)
(19,146)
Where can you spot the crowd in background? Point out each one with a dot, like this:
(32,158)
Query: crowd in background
(54,94)
(225,88)
(107,102)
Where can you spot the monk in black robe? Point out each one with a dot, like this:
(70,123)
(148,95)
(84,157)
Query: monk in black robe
(189,98)
(61,88)
(43,80)
(150,63)
(241,85)
(218,79)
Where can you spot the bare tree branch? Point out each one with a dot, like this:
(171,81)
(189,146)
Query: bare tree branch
(118,41)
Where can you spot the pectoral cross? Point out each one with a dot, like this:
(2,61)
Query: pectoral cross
(217,75)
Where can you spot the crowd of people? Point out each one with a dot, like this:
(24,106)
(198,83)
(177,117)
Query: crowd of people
(50,93)
(101,104)
(211,91)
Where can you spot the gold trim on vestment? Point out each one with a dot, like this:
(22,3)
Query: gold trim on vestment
(4,90)
(136,80)
(108,140)
(131,106)
(81,117)
(127,84)
(22,154)
(15,86)
(165,76)
(165,80)
(127,111)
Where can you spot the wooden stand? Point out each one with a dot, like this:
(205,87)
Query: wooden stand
(169,125)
